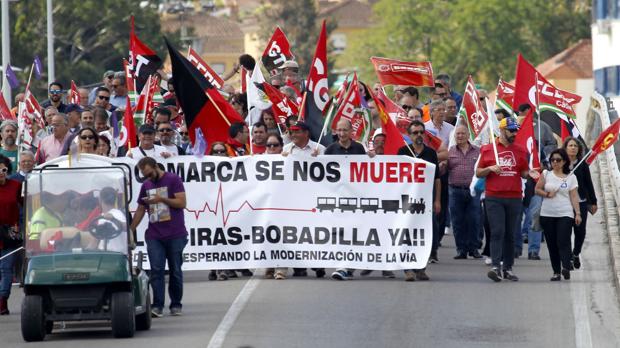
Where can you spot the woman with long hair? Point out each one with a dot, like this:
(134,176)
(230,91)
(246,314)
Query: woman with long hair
(559,211)
(87,141)
(587,197)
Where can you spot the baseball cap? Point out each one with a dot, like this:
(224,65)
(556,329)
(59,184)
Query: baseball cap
(146,128)
(509,123)
(300,125)
(72,107)
(290,64)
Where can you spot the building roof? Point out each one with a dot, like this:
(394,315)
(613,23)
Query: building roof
(218,35)
(572,63)
(347,13)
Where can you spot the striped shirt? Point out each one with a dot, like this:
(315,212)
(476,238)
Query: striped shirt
(461,165)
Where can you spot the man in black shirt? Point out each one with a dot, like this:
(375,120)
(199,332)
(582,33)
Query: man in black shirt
(417,149)
(345,145)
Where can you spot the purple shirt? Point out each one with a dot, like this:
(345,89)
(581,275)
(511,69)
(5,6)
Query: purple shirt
(461,165)
(168,223)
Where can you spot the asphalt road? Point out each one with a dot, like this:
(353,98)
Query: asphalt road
(459,307)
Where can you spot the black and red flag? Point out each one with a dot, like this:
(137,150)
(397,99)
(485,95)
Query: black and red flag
(317,91)
(143,61)
(607,138)
(203,105)
(277,52)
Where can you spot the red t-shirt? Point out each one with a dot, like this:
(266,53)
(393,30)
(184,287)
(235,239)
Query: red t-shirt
(258,149)
(512,160)
(10,198)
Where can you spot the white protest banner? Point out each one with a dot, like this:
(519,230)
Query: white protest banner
(329,211)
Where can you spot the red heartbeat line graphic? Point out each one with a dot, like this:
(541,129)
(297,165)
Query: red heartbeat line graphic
(219,203)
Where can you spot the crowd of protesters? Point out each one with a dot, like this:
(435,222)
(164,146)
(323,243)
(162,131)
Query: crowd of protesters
(492,207)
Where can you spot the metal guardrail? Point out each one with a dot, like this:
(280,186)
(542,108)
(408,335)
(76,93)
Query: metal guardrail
(605,171)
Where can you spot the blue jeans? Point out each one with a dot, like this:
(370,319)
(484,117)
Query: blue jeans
(6,272)
(531,226)
(159,251)
(465,216)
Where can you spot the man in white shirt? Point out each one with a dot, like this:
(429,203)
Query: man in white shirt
(301,145)
(437,125)
(147,147)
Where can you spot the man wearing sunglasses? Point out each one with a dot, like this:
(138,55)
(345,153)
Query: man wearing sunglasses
(103,99)
(55,93)
(166,133)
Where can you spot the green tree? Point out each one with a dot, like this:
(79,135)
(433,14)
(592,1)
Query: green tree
(299,21)
(463,37)
(90,37)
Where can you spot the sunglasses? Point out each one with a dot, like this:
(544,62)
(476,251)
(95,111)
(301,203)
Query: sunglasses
(511,130)
(4,170)
(55,91)
(102,97)
(556,160)
(417,133)
(219,152)
(273,145)
(184,133)
(165,130)
(406,107)
(87,137)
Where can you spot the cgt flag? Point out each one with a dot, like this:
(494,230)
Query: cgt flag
(5,112)
(396,72)
(277,52)
(282,107)
(525,137)
(204,68)
(473,111)
(607,138)
(317,92)
(143,62)
(505,96)
(349,109)
(203,105)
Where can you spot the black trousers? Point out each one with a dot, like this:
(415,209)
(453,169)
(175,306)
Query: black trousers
(580,230)
(557,231)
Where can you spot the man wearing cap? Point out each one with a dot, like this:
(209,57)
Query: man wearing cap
(300,144)
(108,76)
(8,132)
(55,97)
(147,147)
(503,192)
(74,113)
(290,73)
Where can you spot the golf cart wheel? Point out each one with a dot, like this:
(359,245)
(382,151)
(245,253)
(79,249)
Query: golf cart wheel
(33,318)
(123,314)
(143,321)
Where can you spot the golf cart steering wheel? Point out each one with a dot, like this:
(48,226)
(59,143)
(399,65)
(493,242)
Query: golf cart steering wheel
(104,228)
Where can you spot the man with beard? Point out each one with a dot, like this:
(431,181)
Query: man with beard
(503,195)
(8,133)
(163,196)
(417,149)
(55,98)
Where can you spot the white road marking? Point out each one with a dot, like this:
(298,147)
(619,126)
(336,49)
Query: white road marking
(217,340)
(583,333)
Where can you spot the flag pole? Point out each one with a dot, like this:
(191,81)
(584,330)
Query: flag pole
(324,126)
(580,162)
(30,76)
(491,135)
(540,148)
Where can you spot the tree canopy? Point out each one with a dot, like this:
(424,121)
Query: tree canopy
(463,37)
(90,37)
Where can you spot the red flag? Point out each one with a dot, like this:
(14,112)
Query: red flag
(317,91)
(143,61)
(397,114)
(5,112)
(204,69)
(131,83)
(348,110)
(525,137)
(244,80)
(432,141)
(33,109)
(278,51)
(505,96)
(605,140)
(550,97)
(74,96)
(393,138)
(396,72)
(473,110)
(282,107)
(129,134)
(203,105)
(150,100)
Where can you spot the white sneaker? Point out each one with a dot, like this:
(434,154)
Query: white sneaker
(448,230)
(487,260)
